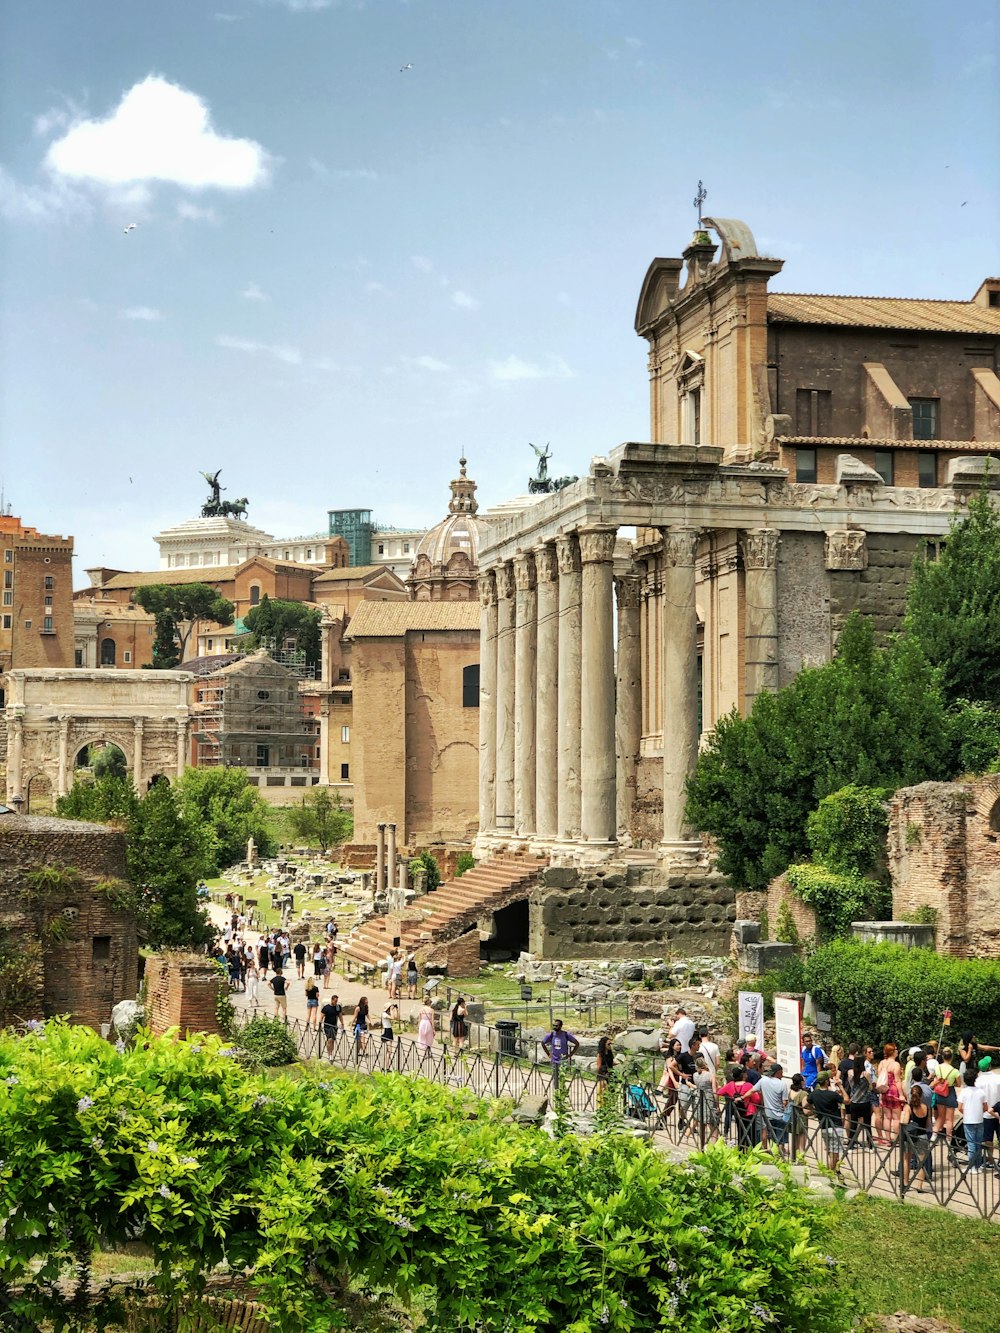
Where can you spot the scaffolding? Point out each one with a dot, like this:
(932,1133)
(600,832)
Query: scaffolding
(250,714)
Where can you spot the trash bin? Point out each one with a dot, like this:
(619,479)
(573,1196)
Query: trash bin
(508,1036)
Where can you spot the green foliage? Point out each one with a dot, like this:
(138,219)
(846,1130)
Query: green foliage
(975,733)
(265,1042)
(230,808)
(108,800)
(839,898)
(282,623)
(395,1183)
(321,818)
(785,930)
(167,853)
(175,609)
(789,978)
(22,976)
(847,830)
(425,859)
(465,862)
(107,761)
(925,915)
(953,606)
(873,716)
(885,992)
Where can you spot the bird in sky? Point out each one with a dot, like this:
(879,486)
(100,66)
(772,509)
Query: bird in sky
(404,68)
(131,227)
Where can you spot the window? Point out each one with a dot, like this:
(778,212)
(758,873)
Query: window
(48,601)
(7,622)
(263,694)
(995,298)
(343,675)
(263,756)
(78,657)
(317,752)
(692,417)
(27,624)
(345,735)
(8,599)
(255,594)
(126,656)
(101,948)
(381,548)
(47,625)
(884,465)
(8,557)
(805,465)
(926,469)
(49,581)
(406,548)
(8,578)
(925,418)
(813,409)
(470,686)
(108,652)
(345,772)
(309,554)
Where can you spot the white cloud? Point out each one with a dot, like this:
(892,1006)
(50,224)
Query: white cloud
(56,118)
(301,6)
(513,368)
(424,265)
(425,363)
(189,212)
(291,356)
(251,292)
(145,313)
(377,287)
(158,132)
(35,203)
(463,300)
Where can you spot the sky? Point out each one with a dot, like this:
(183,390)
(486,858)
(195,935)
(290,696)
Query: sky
(329,247)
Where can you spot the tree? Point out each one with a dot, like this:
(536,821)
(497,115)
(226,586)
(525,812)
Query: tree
(227,804)
(108,800)
(107,761)
(875,717)
(278,621)
(167,853)
(953,606)
(176,609)
(321,818)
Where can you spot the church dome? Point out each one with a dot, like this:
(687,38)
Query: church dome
(447,557)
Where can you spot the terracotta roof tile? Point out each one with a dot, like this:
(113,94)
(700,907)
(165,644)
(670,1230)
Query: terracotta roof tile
(348,572)
(389,620)
(854,442)
(883,312)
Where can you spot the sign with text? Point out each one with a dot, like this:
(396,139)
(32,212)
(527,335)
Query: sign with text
(751,1015)
(788,1034)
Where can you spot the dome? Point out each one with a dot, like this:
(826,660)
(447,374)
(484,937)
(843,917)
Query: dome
(446,560)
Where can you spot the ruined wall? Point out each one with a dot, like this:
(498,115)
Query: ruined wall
(85,974)
(630,912)
(944,855)
(804,633)
(442,737)
(378,738)
(182,991)
(780,894)
(878,591)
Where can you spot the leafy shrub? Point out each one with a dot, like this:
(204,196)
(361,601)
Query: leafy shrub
(847,831)
(886,992)
(975,731)
(785,929)
(266,1042)
(395,1183)
(839,899)
(231,808)
(426,860)
(465,862)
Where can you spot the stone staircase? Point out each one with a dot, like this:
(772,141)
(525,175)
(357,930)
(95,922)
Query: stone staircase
(452,907)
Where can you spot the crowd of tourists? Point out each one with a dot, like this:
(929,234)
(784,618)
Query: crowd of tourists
(248,961)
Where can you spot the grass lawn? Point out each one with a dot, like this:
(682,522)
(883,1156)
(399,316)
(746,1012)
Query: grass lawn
(925,1261)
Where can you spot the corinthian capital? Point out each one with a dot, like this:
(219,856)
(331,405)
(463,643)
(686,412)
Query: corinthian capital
(488,588)
(546,563)
(760,548)
(597,545)
(524,571)
(679,546)
(505,581)
(628,590)
(568,552)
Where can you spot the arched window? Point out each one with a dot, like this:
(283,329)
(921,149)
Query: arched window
(107,652)
(255,594)
(470,686)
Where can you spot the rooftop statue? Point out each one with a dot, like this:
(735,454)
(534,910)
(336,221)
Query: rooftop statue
(215,506)
(543,484)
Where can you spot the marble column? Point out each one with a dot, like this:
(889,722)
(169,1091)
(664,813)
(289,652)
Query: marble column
(138,726)
(504,787)
(628,695)
(679,676)
(323,740)
(568,766)
(182,752)
(597,686)
(62,784)
(380,858)
(15,762)
(547,693)
(525,645)
(487,699)
(390,857)
(760,564)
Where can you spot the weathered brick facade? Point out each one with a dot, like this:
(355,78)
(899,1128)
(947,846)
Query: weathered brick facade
(96,965)
(182,991)
(944,854)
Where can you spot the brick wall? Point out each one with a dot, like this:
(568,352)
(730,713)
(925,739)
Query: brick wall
(182,991)
(86,974)
(779,893)
(460,956)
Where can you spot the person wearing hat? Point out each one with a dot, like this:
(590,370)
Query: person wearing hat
(989,1082)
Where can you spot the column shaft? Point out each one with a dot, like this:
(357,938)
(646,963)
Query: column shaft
(547,694)
(137,730)
(504,788)
(16,759)
(380,858)
(760,563)
(570,578)
(597,688)
(679,677)
(390,857)
(525,644)
(487,700)
(182,755)
(628,696)
(62,785)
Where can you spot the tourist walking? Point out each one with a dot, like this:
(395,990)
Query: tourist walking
(333,1023)
(798,1098)
(915,1129)
(329,961)
(975,1110)
(812,1058)
(858,1087)
(945,1090)
(299,952)
(889,1083)
(279,984)
(605,1065)
(425,1028)
(828,1103)
(312,1003)
(389,1014)
(775,1098)
(560,1046)
(412,977)
(396,986)
(706,1099)
(742,1101)
(459,1024)
(361,1026)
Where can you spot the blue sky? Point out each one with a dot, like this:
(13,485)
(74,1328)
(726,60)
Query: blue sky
(343,276)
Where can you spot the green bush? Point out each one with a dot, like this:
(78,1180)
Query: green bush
(426,860)
(839,899)
(395,1183)
(975,730)
(847,830)
(885,992)
(465,862)
(266,1042)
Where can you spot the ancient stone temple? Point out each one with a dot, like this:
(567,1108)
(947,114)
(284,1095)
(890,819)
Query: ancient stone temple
(622,616)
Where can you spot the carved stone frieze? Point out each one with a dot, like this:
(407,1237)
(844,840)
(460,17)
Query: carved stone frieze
(760,548)
(597,546)
(846,548)
(679,546)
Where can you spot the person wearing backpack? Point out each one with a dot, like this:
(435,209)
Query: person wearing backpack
(945,1093)
(744,1100)
(812,1058)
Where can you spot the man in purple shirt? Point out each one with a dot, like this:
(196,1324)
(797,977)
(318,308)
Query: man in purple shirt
(559,1046)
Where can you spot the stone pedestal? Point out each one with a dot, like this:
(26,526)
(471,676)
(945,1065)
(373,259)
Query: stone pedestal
(525,636)
(547,694)
(504,787)
(597,688)
(570,592)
